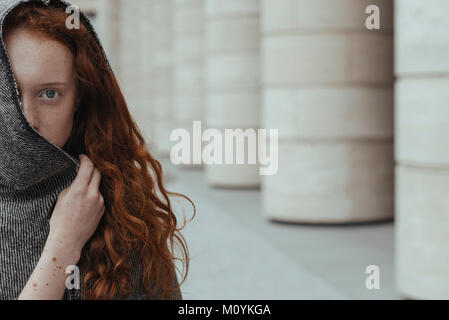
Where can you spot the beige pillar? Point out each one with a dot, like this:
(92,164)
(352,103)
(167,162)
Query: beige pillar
(161,82)
(188,42)
(422,149)
(105,16)
(328,84)
(232,80)
(146,115)
(130,77)
(108,29)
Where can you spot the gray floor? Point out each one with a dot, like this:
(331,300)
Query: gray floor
(236,253)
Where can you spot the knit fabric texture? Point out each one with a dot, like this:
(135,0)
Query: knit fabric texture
(33,171)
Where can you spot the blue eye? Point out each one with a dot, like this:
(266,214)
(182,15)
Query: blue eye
(51,94)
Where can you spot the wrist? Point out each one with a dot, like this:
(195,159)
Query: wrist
(65,250)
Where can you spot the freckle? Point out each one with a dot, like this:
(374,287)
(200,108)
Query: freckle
(53,259)
(59,267)
(46,284)
(35,284)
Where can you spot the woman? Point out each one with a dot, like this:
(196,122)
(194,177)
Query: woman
(106,218)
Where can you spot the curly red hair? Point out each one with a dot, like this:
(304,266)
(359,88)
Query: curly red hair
(139,222)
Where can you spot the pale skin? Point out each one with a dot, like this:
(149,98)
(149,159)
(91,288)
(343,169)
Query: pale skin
(45,76)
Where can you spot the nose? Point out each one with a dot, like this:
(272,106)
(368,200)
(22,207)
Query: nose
(30,113)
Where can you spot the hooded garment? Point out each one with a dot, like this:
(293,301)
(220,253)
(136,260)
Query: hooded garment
(33,171)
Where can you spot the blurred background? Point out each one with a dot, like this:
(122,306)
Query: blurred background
(363,120)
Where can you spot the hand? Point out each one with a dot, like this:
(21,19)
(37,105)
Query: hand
(78,209)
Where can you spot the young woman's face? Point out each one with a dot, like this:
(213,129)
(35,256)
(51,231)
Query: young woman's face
(45,76)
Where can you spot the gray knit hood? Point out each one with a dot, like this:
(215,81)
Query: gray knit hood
(33,171)
(26,157)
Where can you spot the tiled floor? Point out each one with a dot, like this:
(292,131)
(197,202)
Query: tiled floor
(238,254)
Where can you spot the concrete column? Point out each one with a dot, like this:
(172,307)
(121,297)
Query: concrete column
(328,88)
(422,149)
(146,115)
(108,29)
(161,82)
(130,77)
(105,16)
(232,80)
(188,42)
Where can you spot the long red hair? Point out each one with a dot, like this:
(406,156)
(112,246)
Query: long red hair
(139,222)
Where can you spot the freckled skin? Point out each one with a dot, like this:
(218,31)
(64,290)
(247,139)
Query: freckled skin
(38,60)
(35,284)
(53,259)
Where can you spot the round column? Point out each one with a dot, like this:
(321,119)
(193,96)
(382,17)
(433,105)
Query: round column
(108,29)
(188,104)
(130,77)
(328,89)
(161,82)
(146,116)
(422,149)
(232,81)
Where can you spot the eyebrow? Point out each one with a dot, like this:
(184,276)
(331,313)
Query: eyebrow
(53,84)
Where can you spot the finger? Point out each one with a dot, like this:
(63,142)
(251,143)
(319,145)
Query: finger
(95,179)
(101,213)
(84,173)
